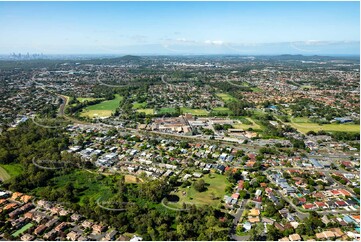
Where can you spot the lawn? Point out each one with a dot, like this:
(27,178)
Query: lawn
(216,189)
(166,110)
(196,112)
(301,120)
(225,97)
(147,111)
(83,99)
(137,105)
(22,230)
(10,170)
(103,109)
(304,125)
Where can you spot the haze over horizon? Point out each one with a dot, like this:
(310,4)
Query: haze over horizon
(180,28)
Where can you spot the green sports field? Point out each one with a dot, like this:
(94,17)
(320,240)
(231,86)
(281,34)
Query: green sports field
(196,112)
(304,125)
(103,109)
(222,110)
(225,97)
(166,110)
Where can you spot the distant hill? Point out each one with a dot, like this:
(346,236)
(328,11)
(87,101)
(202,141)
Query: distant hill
(127,59)
(131,58)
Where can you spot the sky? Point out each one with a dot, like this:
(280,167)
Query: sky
(180,27)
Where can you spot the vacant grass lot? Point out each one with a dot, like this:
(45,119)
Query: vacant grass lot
(247,125)
(103,109)
(132,179)
(304,125)
(147,111)
(137,105)
(212,196)
(196,112)
(91,185)
(225,96)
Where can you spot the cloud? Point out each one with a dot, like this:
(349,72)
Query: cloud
(214,42)
(171,41)
(139,38)
(315,45)
(167,47)
(178,45)
(184,40)
(296,46)
(323,42)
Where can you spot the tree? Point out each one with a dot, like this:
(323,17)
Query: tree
(270,210)
(184,144)
(256,231)
(357,191)
(273,234)
(242,194)
(4,156)
(186,183)
(181,231)
(200,185)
